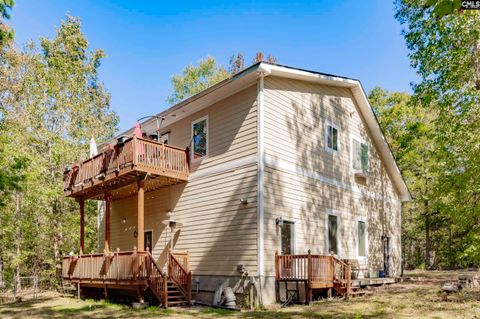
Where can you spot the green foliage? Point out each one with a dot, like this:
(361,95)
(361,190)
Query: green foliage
(51,104)
(444,48)
(195,79)
(208,72)
(6,33)
(441,8)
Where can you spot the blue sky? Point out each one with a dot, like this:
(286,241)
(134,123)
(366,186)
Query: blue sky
(149,41)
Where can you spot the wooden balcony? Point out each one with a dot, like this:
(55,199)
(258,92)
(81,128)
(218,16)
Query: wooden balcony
(118,169)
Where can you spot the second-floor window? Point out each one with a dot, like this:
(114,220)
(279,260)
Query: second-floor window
(331,137)
(200,138)
(360,156)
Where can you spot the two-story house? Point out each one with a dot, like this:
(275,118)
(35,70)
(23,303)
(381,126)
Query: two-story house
(274,175)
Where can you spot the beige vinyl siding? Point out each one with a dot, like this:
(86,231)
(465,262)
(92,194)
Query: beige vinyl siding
(218,231)
(304,181)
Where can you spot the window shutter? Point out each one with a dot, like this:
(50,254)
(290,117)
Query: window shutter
(364,157)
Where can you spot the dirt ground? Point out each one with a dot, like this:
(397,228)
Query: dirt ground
(419,296)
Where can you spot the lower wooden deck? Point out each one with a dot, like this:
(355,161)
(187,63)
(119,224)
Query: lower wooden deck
(133,271)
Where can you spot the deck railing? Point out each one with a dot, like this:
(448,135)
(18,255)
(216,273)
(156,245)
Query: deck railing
(180,275)
(318,271)
(133,154)
(126,267)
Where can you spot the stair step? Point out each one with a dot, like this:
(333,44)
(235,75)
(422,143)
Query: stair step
(175,297)
(173,303)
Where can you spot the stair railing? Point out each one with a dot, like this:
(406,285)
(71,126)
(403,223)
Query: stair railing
(342,274)
(180,276)
(157,280)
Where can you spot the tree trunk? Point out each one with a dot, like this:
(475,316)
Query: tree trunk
(18,238)
(57,239)
(427,238)
(2,282)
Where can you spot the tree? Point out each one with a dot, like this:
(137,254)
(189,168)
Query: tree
(6,33)
(195,79)
(237,63)
(51,104)
(208,72)
(445,51)
(259,57)
(408,129)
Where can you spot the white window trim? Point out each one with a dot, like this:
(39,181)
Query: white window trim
(293,236)
(192,159)
(339,232)
(361,141)
(361,258)
(327,149)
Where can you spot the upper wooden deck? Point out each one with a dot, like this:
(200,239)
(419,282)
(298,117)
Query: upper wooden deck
(118,169)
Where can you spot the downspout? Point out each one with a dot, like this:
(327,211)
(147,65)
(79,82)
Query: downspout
(262,72)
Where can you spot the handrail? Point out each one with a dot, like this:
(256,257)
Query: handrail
(343,274)
(157,281)
(314,269)
(137,153)
(180,276)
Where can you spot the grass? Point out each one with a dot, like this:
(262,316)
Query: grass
(413,299)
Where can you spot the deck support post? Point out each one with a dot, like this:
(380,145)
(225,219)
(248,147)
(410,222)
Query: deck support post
(140,293)
(105,292)
(140,218)
(309,276)
(107,221)
(82,225)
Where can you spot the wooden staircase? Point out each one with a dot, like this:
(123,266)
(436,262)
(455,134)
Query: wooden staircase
(179,284)
(342,277)
(175,297)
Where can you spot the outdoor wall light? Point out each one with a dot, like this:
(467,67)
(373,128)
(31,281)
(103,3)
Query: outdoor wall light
(243,201)
(124,220)
(279,221)
(135,234)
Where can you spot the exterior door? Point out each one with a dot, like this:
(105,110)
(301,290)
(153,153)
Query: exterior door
(386,255)
(148,241)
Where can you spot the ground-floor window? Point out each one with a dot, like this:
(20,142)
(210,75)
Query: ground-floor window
(287,233)
(333,234)
(362,239)
(148,241)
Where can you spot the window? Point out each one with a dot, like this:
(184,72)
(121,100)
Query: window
(200,138)
(331,137)
(287,238)
(148,241)
(360,156)
(333,233)
(362,239)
